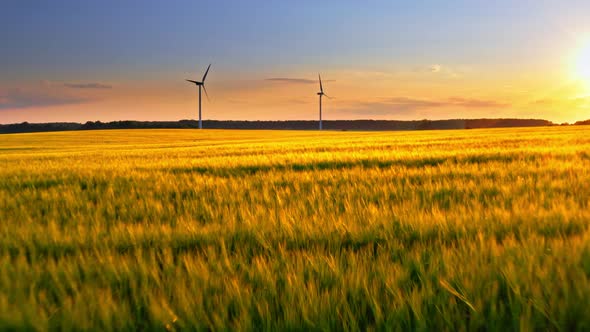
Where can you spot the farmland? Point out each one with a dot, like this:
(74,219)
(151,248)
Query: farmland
(296,230)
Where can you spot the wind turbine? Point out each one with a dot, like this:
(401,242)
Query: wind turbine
(201,84)
(321,94)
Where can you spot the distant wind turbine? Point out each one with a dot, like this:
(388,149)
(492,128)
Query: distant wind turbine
(321,94)
(201,84)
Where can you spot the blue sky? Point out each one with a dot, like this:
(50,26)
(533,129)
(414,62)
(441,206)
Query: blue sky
(150,43)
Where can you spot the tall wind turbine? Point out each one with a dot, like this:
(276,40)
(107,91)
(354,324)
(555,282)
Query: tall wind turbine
(201,84)
(321,94)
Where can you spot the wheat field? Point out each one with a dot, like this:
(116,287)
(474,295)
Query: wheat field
(285,230)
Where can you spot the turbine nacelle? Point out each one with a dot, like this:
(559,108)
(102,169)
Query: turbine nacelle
(197,83)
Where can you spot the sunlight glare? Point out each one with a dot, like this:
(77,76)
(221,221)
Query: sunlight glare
(582,65)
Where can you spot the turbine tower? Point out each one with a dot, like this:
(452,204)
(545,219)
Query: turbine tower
(321,94)
(201,84)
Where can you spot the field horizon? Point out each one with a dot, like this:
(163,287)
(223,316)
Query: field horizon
(296,230)
(348,125)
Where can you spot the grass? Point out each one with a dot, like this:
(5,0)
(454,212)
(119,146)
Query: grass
(279,230)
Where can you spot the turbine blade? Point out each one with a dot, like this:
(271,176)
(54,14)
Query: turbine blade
(321,87)
(207,72)
(325,95)
(206,94)
(192,81)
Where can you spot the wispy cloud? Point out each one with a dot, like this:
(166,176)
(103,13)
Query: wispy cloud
(577,102)
(75,85)
(291,80)
(88,86)
(475,103)
(295,80)
(438,69)
(543,102)
(435,68)
(405,103)
(408,105)
(19,98)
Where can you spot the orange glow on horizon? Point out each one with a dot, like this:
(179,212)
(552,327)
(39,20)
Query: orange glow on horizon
(444,93)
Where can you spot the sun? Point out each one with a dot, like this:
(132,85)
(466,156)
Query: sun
(582,64)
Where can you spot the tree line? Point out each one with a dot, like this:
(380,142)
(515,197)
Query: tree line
(26,127)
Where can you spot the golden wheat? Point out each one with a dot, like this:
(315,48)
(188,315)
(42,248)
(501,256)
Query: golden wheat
(274,230)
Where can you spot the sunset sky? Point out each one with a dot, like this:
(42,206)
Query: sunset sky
(127,60)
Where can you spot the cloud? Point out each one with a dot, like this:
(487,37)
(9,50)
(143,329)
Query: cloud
(74,85)
(475,103)
(294,80)
(405,103)
(576,102)
(542,102)
(438,69)
(19,98)
(435,68)
(408,105)
(88,86)
(291,80)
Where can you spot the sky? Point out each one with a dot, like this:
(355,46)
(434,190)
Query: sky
(404,60)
